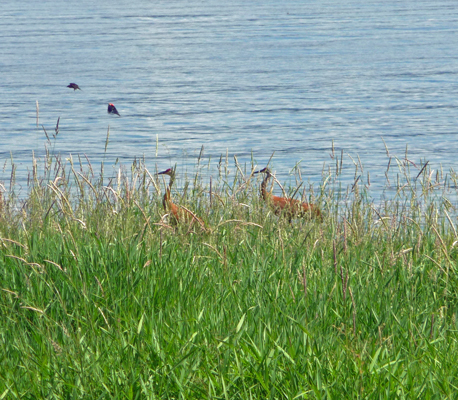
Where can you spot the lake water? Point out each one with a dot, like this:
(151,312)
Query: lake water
(247,77)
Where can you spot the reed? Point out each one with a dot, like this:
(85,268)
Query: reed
(101,297)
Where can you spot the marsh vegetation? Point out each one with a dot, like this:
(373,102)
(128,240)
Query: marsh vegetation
(102,297)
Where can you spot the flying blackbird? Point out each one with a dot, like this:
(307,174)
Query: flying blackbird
(112,109)
(73,86)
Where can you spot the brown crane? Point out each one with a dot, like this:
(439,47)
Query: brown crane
(178,214)
(290,208)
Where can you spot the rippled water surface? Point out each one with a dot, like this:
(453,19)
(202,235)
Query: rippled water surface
(246,77)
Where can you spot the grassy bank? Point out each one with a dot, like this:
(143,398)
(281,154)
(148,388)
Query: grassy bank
(101,297)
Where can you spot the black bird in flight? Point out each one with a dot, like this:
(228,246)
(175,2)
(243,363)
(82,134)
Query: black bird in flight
(73,86)
(112,109)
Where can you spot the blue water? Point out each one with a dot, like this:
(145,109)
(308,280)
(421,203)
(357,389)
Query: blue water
(249,77)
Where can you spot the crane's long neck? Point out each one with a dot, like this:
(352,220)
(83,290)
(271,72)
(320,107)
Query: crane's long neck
(167,198)
(172,179)
(264,193)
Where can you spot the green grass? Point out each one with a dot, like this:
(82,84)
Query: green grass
(101,298)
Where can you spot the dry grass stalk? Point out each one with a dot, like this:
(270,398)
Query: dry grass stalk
(215,250)
(344,283)
(100,285)
(105,318)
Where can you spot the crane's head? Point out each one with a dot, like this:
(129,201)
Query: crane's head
(169,172)
(265,170)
